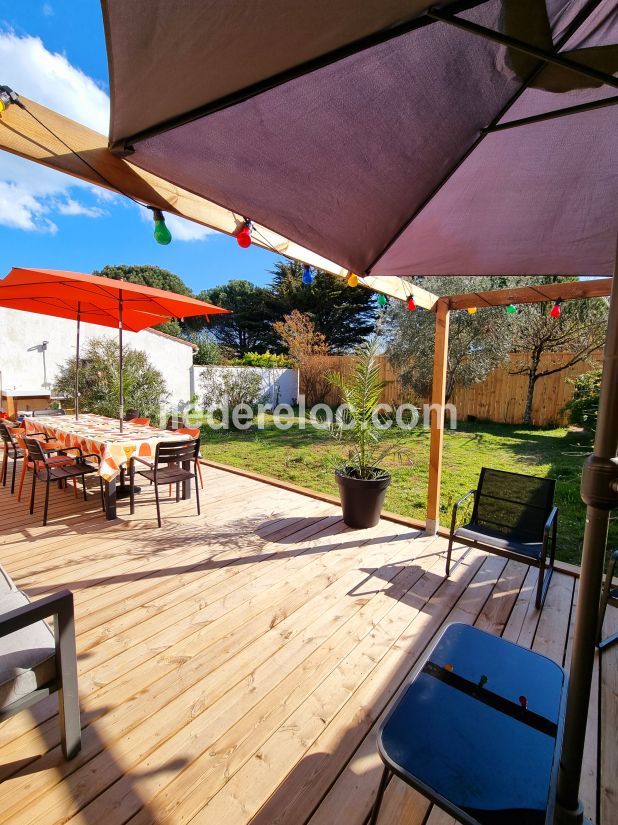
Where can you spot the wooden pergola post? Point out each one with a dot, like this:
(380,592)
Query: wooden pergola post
(438,398)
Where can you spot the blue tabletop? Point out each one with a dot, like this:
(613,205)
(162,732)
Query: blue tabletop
(478,727)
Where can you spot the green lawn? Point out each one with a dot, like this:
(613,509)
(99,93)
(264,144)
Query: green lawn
(307,457)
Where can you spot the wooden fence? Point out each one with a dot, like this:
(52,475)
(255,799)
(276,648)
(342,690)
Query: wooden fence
(501,397)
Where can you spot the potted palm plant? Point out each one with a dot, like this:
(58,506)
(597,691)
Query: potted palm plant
(362,482)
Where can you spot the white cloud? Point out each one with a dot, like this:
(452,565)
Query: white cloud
(184,230)
(47,9)
(49,78)
(73,207)
(30,194)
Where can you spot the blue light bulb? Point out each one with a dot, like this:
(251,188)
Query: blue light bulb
(307,276)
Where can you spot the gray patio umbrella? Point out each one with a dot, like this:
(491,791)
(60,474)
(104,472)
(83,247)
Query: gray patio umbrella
(397,138)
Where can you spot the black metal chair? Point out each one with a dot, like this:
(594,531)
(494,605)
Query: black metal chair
(13,451)
(170,466)
(609,596)
(513,516)
(47,469)
(34,662)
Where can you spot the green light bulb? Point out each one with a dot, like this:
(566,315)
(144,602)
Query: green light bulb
(511,309)
(162,234)
(382,300)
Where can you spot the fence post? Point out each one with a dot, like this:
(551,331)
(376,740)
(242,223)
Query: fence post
(438,398)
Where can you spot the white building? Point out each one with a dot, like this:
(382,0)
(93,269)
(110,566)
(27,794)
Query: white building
(33,347)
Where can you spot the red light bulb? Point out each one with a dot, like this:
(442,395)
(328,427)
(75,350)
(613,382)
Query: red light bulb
(555,310)
(411,304)
(243,236)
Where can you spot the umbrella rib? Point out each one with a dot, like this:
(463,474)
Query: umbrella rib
(576,23)
(125,144)
(569,110)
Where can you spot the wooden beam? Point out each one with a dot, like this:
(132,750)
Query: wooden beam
(21,135)
(438,399)
(400,289)
(565,291)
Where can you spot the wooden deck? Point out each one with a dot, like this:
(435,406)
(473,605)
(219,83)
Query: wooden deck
(234,666)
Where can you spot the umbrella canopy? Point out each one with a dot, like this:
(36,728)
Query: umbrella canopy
(388,136)
(102,301)
(55,292)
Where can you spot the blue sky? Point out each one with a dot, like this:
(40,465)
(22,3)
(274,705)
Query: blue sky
(53,51)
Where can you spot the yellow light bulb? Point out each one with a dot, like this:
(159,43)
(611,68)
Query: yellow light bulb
(471,310)
(353,280)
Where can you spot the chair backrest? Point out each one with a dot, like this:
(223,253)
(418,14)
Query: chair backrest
(173,452)
(37,413)
(513,504)
(194,432)
(35,451)
(144,422)
(6,435)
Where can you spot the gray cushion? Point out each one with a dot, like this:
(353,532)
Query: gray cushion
(6,583)
(492,538)
(27,657)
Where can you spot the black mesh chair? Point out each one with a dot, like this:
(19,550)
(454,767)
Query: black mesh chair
(609,596)
(513,516)
(47,468)
(167,468)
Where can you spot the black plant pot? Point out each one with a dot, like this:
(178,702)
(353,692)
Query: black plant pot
(361,499)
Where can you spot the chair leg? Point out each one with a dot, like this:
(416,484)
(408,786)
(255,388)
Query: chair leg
(131,487)
(68,693)
(102,493)
(386,774)
(24,470)
(199,470)
(84,486)
(5,460)
(13,472)
(448,554)
(158,504)
(197,495)
(32,491)
(46,503)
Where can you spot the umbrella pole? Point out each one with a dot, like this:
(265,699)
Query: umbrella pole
(121,392)
(599,491)
(77,364)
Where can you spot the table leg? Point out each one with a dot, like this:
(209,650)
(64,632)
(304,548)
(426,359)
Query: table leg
(110,499)
(186,485)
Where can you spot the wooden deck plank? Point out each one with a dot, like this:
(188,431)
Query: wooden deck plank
(234,667)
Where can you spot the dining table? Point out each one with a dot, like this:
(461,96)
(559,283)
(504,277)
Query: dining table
(101,435)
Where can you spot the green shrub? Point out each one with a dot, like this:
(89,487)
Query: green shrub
(99,385)
(262,359)
(583,408)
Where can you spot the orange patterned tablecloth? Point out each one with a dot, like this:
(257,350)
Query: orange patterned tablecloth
(101,435)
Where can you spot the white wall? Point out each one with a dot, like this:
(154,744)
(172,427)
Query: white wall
(278,385)
(22,368)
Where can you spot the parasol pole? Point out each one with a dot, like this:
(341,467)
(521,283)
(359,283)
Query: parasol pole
(121,393)
(599,491)
(77,363)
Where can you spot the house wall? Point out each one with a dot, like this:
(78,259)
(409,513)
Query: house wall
(22,362)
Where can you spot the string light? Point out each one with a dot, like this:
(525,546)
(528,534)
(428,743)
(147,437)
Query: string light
(471,310)
(307,276)
(353,280)
(382,300)
(411,304)
(511,309)
(243,236)
(162,234)
(555,310)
